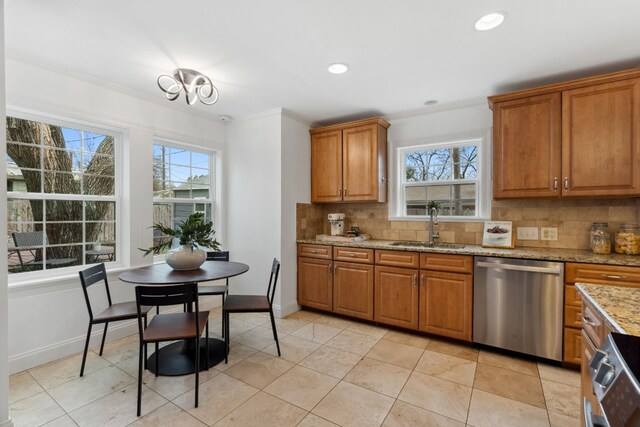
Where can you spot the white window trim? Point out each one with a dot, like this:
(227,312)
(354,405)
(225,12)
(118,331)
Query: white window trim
(62,273)
(395,154)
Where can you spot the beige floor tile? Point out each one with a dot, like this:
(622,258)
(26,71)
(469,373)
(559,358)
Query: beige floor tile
(513,385)
(333,321)
(353,342)
(119,350)
(21,386)
(367,329)
(117,409)
(63,421)
(218,397)
(508,362)
(560,420)
(76,393)
(331,361)
(172,387)
(307,315)
(560,375)
(255,319)
(238,327)
(63,370)
(312,420)
(257,338)
(489,410)
(237,353)
(434,394)
(259,369)
(288,325)
(454,349)
(405,415)
(263,410)
(168,415)
(461,371)
(316,332)
(395,353)
(130,366)
(379,376)
(293,349)
(301,386)
(412,339)
(349,405)
(561,398)
(35,410)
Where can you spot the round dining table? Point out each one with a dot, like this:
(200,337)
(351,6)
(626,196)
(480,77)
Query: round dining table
(178,358)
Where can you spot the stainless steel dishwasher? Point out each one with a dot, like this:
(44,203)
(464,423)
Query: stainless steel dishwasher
(518,305)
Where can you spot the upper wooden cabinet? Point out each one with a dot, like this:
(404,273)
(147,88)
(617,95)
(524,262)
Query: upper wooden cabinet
(578,138)
(349,162)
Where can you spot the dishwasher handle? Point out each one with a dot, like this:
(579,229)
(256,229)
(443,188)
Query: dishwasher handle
(549,270)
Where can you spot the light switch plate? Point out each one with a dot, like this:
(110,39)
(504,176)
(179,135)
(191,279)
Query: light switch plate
(549,233)
(527,233)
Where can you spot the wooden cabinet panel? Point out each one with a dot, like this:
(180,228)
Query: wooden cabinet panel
(602,274)
(573,316)
(315,288)
(526,147)
(396,296)
(600,139)
(360,164)
(446,304)
(353,290)
(447,262)
(398,259)
(314,251)
(353,255)
(572,346)
(326,166)
(572,297)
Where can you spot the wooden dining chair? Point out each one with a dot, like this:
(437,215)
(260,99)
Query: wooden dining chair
(252,304)
(113,313)
(221,290)
(170,326)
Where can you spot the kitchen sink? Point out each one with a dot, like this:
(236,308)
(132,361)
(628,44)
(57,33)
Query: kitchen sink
(430,245)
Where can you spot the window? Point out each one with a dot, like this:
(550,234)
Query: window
(182,184)
(447,174)
(61,195)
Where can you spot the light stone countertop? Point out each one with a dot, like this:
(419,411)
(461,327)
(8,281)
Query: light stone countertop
(619,305)
(547,254)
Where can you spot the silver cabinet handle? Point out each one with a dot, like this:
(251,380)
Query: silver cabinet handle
(613,276)
(340,192)
(587,320)
(415,280)
(555,183)
(344,192)
(422,280)
(566,182)
(557,270)
(313,251)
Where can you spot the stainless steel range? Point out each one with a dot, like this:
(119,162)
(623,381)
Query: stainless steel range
(615,370)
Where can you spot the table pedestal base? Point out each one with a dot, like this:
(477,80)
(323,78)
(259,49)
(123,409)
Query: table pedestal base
(179,358)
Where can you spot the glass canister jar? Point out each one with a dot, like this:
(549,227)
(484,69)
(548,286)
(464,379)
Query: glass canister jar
(628,239)
(600,238)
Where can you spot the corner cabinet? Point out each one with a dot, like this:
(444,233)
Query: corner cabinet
(574,139)
(349,162)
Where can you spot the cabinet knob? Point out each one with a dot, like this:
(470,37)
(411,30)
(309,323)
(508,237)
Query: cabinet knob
(555,183)
(566,183)
(415,280)
(344,192)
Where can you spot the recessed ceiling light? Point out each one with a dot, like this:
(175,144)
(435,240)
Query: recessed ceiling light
(490,21)
(431,102)
(338,68)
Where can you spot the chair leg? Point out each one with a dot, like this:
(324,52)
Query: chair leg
(146,354)
(197,368)
(207,345)
(223,320)
(275,333)
(225,316)
(157,359)
(104,336)
(86,348)
(140,376)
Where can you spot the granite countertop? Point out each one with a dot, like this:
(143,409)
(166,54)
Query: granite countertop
(547,254)
(619,305)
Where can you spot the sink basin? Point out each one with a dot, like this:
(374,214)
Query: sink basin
(430,245)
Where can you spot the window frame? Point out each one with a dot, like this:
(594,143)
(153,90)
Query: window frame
(118,135)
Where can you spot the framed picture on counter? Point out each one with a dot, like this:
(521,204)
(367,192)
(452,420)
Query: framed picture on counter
(498,234)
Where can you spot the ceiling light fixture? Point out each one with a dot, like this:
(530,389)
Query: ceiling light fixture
(490,21)
(338,68)
(196,86)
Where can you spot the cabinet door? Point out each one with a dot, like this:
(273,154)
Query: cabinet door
(600,152)
(572,346)
(315,283)
(360,163)
(396,296)
(526,147)
(446,303)
(326,166)
(353,290)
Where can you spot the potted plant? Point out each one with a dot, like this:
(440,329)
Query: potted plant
(193,233)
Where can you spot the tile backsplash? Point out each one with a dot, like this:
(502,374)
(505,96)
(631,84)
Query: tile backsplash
(572,217)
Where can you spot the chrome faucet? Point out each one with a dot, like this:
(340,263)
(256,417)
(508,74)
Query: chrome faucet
(433,235)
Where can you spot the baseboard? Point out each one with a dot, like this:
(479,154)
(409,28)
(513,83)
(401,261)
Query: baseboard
(7,423)
(118,330)
(285,310)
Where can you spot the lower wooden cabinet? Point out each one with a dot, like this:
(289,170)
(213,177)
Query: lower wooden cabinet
(572,346)
(353,290)
(315,283)
(446,304)
(396,296)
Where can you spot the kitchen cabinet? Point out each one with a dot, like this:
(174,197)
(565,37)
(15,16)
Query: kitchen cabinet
(353,289)
(396,296)
(349,162)
(315,283)
(572,139)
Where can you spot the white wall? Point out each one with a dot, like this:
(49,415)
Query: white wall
(48,319)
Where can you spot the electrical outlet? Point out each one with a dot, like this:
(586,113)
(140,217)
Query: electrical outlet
(527,233)
(549,233)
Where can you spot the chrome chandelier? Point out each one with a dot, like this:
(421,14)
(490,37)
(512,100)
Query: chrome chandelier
(196,86)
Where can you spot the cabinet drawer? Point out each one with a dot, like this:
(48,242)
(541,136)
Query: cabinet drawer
(593,325)
(605,274)
(446,262)
(573,316)
(572,346)
(353,255)
(314,251)
(571,296)
(398,259)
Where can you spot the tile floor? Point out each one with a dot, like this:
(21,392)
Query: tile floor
(332,372)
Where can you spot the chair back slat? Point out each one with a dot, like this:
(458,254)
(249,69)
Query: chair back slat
(30,239)
(273,280)
(167,295)
(218,256)
(91,276)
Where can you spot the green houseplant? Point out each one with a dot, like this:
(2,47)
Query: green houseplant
(193,233)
